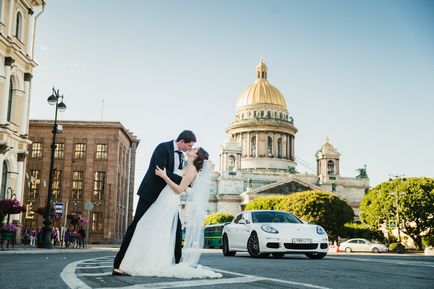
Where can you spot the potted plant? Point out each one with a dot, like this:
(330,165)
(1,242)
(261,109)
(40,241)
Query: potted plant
(9,207)
(8,233)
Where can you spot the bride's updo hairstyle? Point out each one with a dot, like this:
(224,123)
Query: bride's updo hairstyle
(202,155)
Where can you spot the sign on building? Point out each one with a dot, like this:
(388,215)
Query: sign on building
(58,209)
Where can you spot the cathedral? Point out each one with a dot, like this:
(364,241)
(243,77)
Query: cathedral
(258,156)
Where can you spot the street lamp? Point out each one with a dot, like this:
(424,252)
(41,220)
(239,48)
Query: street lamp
(399,247)
(54,99)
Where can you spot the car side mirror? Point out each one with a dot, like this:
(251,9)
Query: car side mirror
(242,221)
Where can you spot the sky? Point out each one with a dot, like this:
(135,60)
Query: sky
(359,72)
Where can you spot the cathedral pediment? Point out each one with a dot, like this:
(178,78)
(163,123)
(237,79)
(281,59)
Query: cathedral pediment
(284,187)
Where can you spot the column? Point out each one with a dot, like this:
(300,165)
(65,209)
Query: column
(30,32)
(4,97)
(292,146)
(25,104)
(11,19)
(19,188)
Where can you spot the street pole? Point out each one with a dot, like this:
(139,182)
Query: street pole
(46,230)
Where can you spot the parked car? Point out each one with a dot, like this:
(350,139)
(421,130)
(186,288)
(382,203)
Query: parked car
(362,245)
(262,233)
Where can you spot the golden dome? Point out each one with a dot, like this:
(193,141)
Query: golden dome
(261,92)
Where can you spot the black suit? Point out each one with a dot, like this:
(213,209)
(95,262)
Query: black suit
(149,190)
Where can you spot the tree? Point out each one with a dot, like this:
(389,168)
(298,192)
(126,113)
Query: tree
(264,203)
(217,218)
(416,206)
(319,207)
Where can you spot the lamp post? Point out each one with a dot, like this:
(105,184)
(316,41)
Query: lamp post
(54,99)
(399,247)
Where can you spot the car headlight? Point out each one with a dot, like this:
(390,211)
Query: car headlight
(320,230)
(269,229)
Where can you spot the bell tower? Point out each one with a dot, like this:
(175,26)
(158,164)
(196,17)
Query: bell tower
(327,159)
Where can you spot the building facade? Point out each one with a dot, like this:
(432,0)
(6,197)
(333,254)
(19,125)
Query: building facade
(17,26)
(258,157)
(94,162)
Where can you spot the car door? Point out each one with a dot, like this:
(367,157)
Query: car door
(363,246)
(244,230)
(232,231)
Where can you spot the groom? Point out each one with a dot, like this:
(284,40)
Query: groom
(166,155)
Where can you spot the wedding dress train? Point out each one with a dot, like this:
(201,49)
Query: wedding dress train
(151,251)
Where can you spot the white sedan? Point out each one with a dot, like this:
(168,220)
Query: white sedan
(362,245)
(263,232)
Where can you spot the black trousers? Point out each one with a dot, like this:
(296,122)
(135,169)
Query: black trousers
(142,207)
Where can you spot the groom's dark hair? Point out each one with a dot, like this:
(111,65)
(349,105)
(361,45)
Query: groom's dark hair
(187,136)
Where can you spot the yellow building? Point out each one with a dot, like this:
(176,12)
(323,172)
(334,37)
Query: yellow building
(258,157)
(17,26)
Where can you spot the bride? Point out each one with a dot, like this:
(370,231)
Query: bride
(150,252)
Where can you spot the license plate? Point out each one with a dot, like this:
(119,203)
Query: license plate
(301,241)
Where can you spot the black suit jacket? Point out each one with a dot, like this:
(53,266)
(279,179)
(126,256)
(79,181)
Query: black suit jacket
(152,185)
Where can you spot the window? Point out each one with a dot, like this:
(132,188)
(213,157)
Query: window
(253,146)
(279,148)
(19,26)
(3,180)
(98,186)
(330,168)
(80,151)
(36,150)
(59,152)
(77,185)
(97,222)
(57,184)
(270,146)
(34,184)
(101,151)
(10,101)
(231,163)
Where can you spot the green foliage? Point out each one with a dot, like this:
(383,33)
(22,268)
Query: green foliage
(217,218)
(393,247)
(357,230)
(428,240)
(416,206)
(264,203)
(319,207)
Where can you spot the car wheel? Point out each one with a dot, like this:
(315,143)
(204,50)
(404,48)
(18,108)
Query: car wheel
(348,250)
(226,251)
(375,250)
(278,255)
(316,255)
(253,246)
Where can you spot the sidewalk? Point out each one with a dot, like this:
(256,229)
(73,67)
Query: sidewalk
(26,249)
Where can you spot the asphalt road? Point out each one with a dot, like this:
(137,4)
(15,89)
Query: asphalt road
(93,270)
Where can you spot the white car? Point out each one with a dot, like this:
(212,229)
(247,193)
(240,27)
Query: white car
(263,232)
(362,245)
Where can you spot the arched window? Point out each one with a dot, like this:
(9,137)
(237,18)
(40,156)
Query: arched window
(10,101)
(330,168)
(279,148)
(270,146)
(253,146)
(19,26)
(4,179)
(231,163)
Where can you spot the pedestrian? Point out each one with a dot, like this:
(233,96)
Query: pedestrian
(82,236)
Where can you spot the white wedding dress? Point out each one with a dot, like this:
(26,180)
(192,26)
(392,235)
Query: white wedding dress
(151,251)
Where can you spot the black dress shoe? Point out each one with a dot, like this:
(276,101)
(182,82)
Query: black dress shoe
(119,273)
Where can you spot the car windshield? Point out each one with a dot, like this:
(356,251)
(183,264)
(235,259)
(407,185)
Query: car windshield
(274,217)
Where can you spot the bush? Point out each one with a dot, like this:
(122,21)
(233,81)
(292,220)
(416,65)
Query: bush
(217,218)
(265,203)
(394,246)
(357,230)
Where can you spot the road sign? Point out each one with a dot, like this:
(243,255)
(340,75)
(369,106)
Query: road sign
(58,209)
(88,206)
(392,224)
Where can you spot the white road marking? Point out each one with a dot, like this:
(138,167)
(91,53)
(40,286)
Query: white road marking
(387,261)
(70,277)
